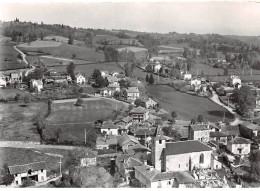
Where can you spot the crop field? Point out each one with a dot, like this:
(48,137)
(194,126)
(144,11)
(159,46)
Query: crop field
(8,58)
(72,120)
(17,122)
(187,106)
(15,156)
(40,44)
(89,68)
(66,51)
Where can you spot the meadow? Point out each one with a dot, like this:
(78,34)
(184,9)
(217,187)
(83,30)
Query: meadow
(72,120)
(187,106)
(207,69)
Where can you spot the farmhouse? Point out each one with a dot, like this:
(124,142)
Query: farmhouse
(200,132)
(15,77)
(132,93)
(235,81)
(36,84)
(35,171)
(149,103)
(113,81)
(114,88)
(2,83)
(109,128)
(180,156)
(104,73)
(126,141)
(124,124)
(218,136)
(105,92)
(143,153)
(139,114)
(80,78)
(106,142)
(239,146)
(232,131)
(248,129)
(88,159)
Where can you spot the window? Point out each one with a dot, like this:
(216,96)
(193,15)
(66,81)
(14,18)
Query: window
(16,175)
(29,171)
(41,170)
(169,182)
(159,184)
(201,158)
(160,141)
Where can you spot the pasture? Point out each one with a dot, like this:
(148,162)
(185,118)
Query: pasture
(207,69)
(8,58)
(187,106)
(247,78)
(17,122)
(39,44)
(88,69)
(72,120)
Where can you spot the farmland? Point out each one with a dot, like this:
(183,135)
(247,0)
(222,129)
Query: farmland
(207,69)
(17,122)
(187,106)
(8,58)
(89,68)
(72,120)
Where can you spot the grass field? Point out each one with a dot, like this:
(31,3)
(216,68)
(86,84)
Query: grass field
(8,58)
(17,122)
(187,106)
(5,93)
(247,78)
(89,68)
(72,120)
(15,156)
(207,69)
(64,50)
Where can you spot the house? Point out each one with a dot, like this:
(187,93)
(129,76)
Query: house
(195,81)
(216,164)
(200,132)
(239,146)
(15,77)
(88,158)
(141,152)
(114,73)
(149,103)
(125,164)
(126,141)
(180,156)
(139,114)
(120,77)
(230,131)
(109,128)
(2,82)
(149,177)
(36,84)
(105,92)
(112,80)
(80,78)
(35,171)
(218,136)
(248,129)
(235,81)
(157,67)
(104,73)
(123,124)
(114,88)
(132,93)
(106,142)
(145,134)
(187,76)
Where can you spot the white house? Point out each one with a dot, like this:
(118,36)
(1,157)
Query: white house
(35,171)
(187,76)
(235,81)
(104,73)
(157,67)
(105,92)
(149,103)
(239,146)
(2,83)
(112,80)
(132,93)
(36,84)
(109,128)
(195,81)
(80,79)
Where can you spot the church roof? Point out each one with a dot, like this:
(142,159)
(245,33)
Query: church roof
(182,147)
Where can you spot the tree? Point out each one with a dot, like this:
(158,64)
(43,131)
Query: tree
(139,102)
(71,69)
(151,79)
(128,69)
(19,56)
(225,72)
(79,102)
(200,118)
(49,106)
(26,99)
(80,90)
(174,115)
(28,182)
(170,132)
(70,41)
(254,159)
(201,73)
(96,73)
(147,78)
(57,134)
(149,68)
(17,97)
(193,121)
(161,70)
(7,178)
(74,56)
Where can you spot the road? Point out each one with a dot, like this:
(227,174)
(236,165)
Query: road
(24,59)
(31,145)
(215,99)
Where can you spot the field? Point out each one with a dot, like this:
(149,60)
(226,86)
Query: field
(39,44)
(89,68)
(72,120)
(8,58)
(207,69)
(64,50)
(17,122)
(5,93)
(243,78)
(63,40)
(15,156)
(187,106)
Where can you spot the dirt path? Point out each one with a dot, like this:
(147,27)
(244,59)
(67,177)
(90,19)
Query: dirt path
(215,99)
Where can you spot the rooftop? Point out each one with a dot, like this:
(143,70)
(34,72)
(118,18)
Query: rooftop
(181,147)
(108,125)
(138,110)
(18,169)
(251,126)
(199,127)
(240,140)
(112,79)
(110,140)
(123,139)
(145,131)
(127,119)
(217,134)
(132,90)
(132,162)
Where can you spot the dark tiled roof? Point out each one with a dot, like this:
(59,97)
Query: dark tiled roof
(148,171)
(111,140)
(123,139)
(138,110)
(107,125)
(217,134)
(199,127)
(230,130)
(127,119)
(182,147)
(251,126)
(18,169)
(136,148)
(240,140)
(144,131)
(184,178)
(132,162)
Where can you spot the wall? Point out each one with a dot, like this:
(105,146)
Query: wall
(41,176)
(234,148)
(110,132)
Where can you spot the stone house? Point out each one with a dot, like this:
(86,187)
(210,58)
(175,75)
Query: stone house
(180,156)
(235,81)
(114,88)
(105,92)
(195,81)
(36,84)
(239,146)
(139,114)
(80,79)
(187,76)
(218,136)
(132,93)
(15,77)
(123,124)
(126,141)
(88,159)
(35,171)
(109,128)
(200,132)
(149,103)
(2,82)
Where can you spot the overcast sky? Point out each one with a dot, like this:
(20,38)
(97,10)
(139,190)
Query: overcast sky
(239,18)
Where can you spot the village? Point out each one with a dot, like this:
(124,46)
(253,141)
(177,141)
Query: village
(91,108)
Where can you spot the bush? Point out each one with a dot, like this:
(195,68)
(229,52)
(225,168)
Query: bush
(79,102)
(28,182)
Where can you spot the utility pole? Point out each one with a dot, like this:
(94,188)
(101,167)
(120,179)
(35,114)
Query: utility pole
(224,117)
(85,136)
(60,165)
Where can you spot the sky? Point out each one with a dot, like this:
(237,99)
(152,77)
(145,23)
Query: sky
(227,18)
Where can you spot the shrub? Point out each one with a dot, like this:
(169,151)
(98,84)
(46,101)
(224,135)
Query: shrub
(28,182)
(79,102)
